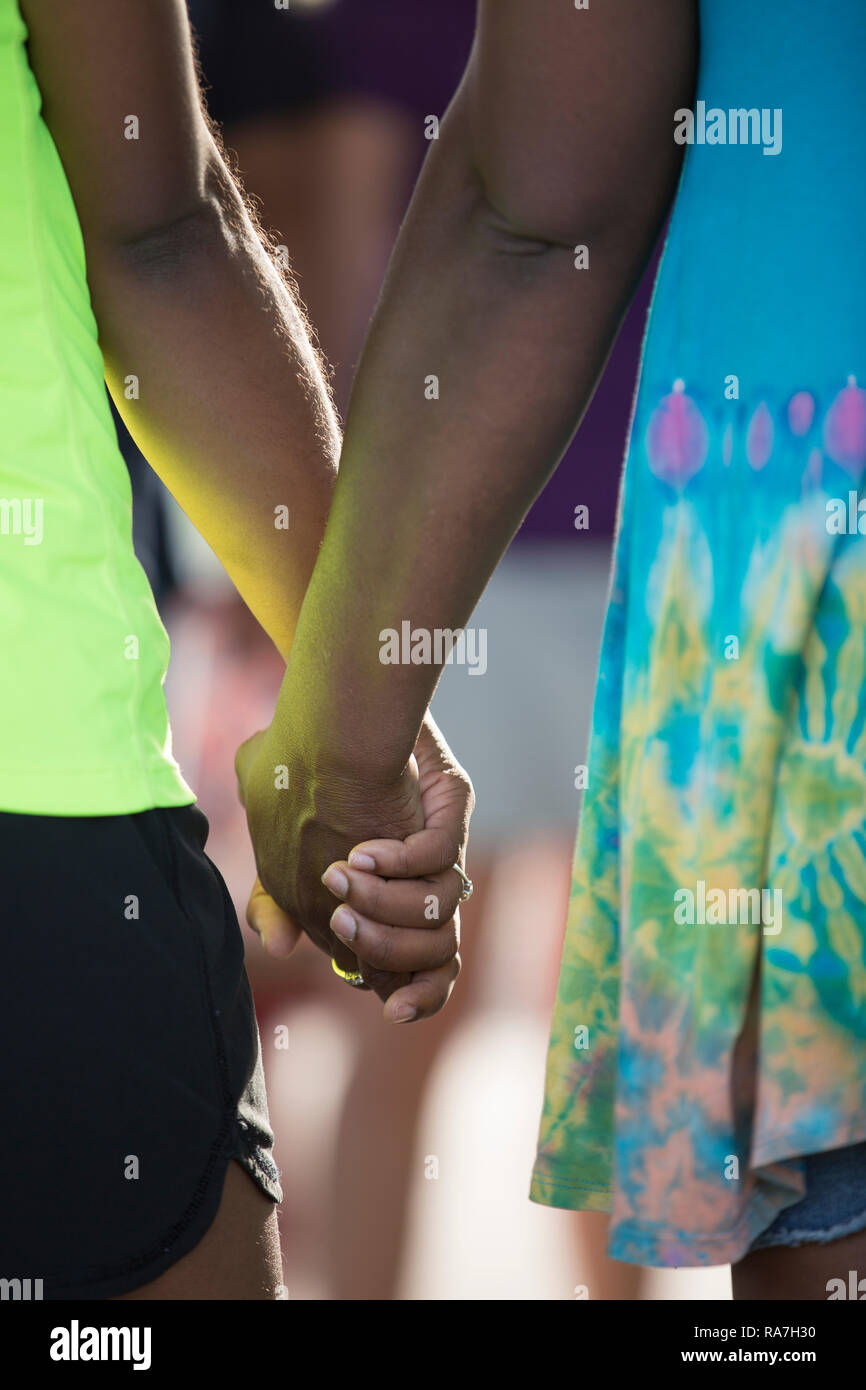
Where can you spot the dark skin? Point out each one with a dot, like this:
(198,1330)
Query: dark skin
(802,1272)
(560,135)
(482,292)
(235,416)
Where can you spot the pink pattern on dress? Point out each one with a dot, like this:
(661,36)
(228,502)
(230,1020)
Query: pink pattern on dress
(801,412)
(845,429)
(759,439)
(677,438)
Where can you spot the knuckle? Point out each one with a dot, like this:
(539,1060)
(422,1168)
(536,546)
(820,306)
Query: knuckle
(379,948)
(465,783)
(448,946)
(365,895)
(449,853)
(377,900)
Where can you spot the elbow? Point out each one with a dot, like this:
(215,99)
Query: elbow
(536,212)
(552,209)
(209,221)
(166,249)
(562,197)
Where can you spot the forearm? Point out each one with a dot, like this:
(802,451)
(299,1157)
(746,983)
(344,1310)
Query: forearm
(431,491)
(232,409)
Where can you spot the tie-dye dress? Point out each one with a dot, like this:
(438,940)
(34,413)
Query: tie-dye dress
(710,1023)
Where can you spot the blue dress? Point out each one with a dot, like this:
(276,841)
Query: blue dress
(710,1023)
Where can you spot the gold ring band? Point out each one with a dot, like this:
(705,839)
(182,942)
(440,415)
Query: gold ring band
(352,977)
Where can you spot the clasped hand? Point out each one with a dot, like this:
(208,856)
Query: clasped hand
(363,867)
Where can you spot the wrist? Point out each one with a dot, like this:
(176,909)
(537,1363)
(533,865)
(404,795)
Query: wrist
(333,739)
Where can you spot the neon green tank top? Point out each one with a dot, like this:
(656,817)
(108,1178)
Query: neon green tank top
(83,723)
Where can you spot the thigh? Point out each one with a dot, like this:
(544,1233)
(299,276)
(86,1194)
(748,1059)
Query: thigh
(130,1063)
(237,1258)
(798,1272)
(818,1239)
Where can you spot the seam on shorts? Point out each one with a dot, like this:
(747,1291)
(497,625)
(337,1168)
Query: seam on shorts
(811,1236)
(246,1143)
(169,831)
(168,841)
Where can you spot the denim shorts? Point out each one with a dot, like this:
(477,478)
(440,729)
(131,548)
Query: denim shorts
(834,1204)
(130,1062)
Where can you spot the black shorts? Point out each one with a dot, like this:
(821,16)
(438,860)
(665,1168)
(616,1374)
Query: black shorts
(129,1050)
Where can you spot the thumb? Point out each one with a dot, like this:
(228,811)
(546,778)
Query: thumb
(278,933)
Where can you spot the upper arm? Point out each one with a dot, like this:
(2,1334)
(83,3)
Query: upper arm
(99,62)
(570,112)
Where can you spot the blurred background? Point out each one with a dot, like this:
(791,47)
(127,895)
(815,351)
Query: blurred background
(405,1154)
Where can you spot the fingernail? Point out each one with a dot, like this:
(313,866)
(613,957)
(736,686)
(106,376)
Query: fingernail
(335,880)
(343,924)
(278,946)
(359,860)
(404,1013)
